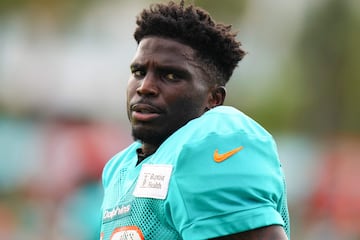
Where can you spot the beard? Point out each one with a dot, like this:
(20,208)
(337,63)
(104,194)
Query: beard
(149,136)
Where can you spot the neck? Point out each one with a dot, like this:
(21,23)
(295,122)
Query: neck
(148,149)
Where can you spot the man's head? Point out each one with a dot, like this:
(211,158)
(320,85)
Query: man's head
(179,70)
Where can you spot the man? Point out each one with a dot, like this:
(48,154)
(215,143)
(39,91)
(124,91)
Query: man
(197,170)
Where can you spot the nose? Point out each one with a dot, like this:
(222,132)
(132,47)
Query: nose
(148,85)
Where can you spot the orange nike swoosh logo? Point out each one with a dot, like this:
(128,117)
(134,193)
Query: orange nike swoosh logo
(223,156)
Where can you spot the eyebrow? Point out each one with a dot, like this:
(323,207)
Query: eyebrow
(163,67)
(136,66)
(180,71)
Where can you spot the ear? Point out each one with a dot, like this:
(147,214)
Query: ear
(218,94)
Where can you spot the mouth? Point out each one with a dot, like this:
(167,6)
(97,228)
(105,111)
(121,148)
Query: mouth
(142,112)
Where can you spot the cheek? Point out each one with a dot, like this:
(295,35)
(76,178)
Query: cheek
(131,88)
(199,95)
(192,104)
(130,92)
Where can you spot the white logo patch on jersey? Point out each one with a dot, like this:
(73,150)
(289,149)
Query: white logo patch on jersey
(153,181)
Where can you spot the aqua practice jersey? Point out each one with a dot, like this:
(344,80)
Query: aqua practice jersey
(217,175)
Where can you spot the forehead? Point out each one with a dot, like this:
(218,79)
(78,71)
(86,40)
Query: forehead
(164,50)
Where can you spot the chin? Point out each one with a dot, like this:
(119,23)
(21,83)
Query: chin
(148,136)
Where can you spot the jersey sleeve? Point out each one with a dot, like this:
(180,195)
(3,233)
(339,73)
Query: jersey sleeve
(242,192)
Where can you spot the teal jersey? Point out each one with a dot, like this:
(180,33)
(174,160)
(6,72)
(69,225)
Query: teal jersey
(218,175)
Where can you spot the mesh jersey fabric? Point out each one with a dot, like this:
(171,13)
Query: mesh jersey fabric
(204,199)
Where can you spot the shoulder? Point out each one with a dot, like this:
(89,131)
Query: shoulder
(229,134)
(228,119)
(219,150)
(218,125)
(222,129)
(226,151)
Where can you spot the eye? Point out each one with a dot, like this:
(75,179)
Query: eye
(172,77)
(137,73)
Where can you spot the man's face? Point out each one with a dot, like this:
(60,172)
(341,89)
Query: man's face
(166,89)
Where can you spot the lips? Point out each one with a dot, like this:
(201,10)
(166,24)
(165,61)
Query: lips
(144,112)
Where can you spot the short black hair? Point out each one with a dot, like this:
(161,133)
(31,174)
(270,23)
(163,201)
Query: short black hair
(215,43)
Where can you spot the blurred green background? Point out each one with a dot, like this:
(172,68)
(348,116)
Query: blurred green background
(64,66)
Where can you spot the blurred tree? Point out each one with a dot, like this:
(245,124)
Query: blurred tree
(63,12)
(226,11)
(330,55)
